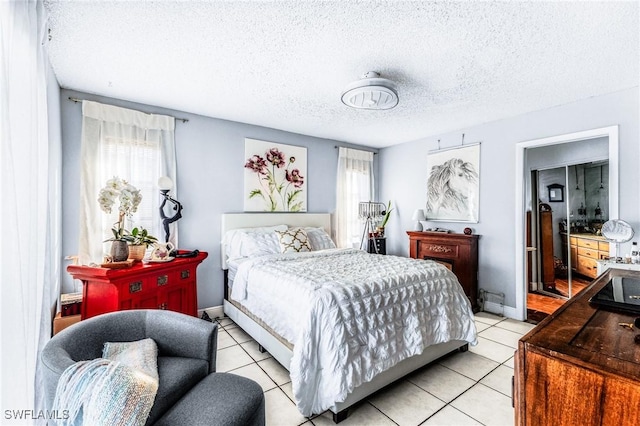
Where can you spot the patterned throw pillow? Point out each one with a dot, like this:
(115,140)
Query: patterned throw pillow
(293,240)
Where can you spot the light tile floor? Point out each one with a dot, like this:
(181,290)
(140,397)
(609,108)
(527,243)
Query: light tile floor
(466,388)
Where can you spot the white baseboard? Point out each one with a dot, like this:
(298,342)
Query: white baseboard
(213,312)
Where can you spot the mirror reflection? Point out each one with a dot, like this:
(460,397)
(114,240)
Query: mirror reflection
(568,202)
(573,205)
(588,197)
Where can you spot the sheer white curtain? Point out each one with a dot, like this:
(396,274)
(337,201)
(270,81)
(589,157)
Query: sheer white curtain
(355,183)
(30,213)
(134,146)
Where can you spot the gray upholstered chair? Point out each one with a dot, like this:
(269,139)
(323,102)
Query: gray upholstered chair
(189,391)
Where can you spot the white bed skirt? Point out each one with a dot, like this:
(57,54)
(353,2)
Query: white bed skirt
(283,355)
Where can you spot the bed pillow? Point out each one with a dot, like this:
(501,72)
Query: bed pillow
(319,239)
(259,244)
(233,239)
(293,240)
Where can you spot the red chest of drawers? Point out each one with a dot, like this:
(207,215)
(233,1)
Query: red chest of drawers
(170,285)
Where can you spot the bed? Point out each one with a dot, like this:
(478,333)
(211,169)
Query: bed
(344,323)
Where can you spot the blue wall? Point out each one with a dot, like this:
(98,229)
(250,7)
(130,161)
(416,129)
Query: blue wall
(210,156)
(403,177)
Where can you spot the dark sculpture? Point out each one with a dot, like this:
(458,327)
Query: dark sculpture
(177,207)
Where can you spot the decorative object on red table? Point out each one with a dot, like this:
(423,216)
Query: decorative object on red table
(70,304)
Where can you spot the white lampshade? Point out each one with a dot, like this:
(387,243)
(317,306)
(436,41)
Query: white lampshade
(418,215)
(165,183)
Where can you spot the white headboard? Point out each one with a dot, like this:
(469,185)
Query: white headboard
(252,220)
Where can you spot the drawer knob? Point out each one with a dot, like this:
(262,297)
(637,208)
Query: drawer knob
(162,280)
(184,274)
(135,286)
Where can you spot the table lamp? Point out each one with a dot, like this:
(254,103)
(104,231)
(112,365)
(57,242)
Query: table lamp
(418,216)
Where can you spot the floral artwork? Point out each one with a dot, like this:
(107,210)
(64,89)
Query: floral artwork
(275,177)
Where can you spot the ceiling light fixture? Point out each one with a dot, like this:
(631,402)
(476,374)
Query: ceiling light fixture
(371,92)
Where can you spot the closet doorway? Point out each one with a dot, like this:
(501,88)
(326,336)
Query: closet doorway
(546,169)
(564,243)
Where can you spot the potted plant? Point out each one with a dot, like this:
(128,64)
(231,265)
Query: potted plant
(119,248)
(129,197)
(383,222)
(139,240)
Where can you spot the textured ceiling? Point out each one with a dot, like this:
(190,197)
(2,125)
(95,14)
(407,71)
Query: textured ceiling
(284,64)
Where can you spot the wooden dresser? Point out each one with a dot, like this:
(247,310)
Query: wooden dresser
(170,285)
(579,366)
(586,250)
(459,252)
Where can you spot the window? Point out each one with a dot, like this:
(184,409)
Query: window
(134,146)
(355,183)
(139,163)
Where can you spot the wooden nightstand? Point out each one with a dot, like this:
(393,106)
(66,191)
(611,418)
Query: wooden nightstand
(171,285)
(377,245)
(458,252)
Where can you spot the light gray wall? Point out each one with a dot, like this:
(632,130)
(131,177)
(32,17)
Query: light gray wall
(210,156)
(566,154)
(210,183)
(403,176)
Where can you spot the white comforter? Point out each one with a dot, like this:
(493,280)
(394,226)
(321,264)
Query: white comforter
(351,315)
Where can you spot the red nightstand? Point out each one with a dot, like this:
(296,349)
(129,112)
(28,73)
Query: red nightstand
(170,285)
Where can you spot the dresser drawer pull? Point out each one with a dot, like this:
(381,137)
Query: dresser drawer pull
(135,287)
(439,249)
(163,279)
(184,274)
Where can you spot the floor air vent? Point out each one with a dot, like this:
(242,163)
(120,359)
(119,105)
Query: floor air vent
(491,302)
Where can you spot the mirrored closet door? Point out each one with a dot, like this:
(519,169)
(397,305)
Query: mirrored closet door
(569,210)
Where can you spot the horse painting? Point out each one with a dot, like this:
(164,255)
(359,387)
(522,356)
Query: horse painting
(451,190)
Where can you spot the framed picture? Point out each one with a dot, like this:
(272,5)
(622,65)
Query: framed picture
(453,184)
(556,193)
(274,177)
